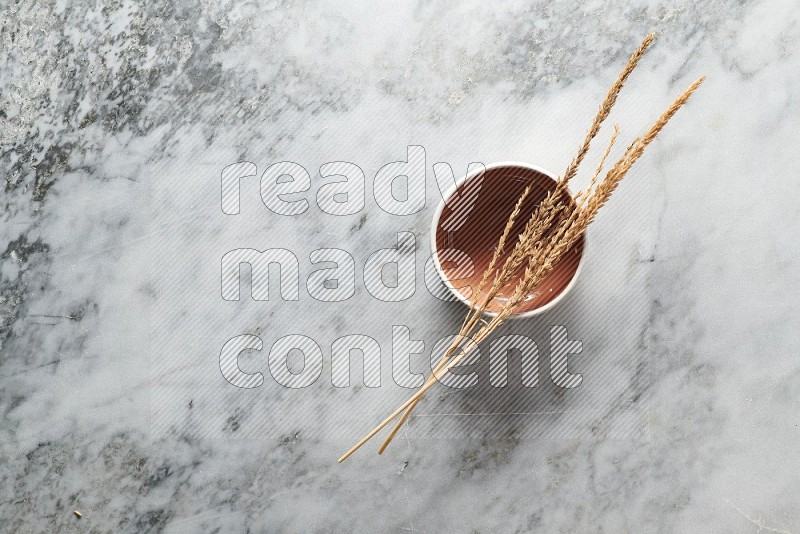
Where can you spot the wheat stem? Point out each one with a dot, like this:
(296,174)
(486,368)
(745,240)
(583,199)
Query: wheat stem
(553,229)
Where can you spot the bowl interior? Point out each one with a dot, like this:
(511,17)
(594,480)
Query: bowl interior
(473,220)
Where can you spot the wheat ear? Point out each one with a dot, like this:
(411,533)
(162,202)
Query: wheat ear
(543,255)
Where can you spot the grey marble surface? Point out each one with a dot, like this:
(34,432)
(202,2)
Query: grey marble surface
(116,122)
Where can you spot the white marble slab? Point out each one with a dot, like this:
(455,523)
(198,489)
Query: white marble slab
(117,122)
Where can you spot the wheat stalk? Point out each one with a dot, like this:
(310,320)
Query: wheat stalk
(469,319)
(546,213)
(554,227)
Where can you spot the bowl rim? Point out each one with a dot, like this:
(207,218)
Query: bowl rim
(434,250)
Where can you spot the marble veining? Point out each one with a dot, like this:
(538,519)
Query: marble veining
(116,121)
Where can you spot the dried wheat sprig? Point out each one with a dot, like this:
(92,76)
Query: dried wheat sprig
(458,340)
(543,255)
(582,196)
(470,319)
(546,213)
